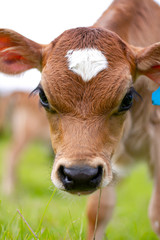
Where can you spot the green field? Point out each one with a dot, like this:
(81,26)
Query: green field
(64,217)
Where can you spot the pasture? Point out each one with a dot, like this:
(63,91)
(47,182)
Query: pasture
(54,215)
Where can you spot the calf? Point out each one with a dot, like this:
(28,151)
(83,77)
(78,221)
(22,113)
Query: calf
(90,78)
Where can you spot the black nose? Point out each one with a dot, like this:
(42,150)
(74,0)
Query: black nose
(80,178)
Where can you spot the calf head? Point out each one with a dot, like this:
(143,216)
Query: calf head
(87,87)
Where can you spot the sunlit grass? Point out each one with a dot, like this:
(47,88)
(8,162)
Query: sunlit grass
(64,216)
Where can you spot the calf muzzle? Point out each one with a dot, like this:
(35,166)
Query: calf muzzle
(84,179)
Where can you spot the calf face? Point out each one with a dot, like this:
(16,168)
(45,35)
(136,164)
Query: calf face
(87,87)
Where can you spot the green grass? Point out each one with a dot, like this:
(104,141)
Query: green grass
(64,217)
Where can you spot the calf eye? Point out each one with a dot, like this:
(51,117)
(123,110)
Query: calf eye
(128,100)
(43,99)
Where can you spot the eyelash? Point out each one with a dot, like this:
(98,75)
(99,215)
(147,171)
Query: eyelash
(130,96)
(43,102)
(136,95)
(36,90)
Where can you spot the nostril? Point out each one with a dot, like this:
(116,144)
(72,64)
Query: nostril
(99,172)
(61,172)
(63,176)
(98,176)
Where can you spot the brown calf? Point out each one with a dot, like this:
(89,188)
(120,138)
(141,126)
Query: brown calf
(90,77)
(28,123)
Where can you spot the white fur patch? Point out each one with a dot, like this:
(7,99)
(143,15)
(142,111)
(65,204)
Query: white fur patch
(87,62)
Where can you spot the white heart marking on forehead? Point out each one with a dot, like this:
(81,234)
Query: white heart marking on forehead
(87,62)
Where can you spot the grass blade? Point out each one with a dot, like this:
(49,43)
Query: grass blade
(98,207)
(30,229)
(41,221)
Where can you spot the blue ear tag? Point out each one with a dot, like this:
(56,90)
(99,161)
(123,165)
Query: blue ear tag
(156,97)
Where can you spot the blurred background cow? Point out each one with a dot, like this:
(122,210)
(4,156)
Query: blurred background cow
(27,122)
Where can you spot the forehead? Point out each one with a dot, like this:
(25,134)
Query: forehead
(86,65)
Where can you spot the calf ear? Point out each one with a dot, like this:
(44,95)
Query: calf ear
(148,62)
(18,53)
